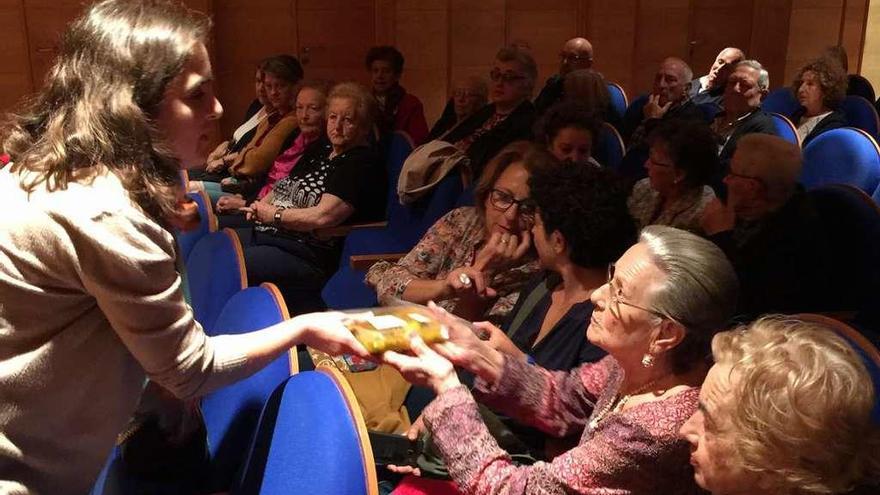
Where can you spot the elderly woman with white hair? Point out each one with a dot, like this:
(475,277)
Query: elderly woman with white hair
(664,300)
(786,410)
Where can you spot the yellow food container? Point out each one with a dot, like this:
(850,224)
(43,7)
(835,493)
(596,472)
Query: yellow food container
(391,328)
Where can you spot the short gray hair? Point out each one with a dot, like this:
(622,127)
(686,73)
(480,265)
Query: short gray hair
(523,58)
(763,75)
(700,290)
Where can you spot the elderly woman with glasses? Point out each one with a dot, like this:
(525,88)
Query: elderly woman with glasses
(474,260)
(785,410)
(508,117)
(682,160)
(664,300)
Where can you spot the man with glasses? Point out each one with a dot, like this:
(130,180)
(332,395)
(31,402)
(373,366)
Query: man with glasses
(576,53)
(770,230)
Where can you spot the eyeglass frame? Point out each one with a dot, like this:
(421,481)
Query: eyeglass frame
(529,204)
(574,57)
(615,301)
(496,75)
(731,173)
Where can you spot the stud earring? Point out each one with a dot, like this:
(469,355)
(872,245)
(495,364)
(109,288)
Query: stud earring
(648,361)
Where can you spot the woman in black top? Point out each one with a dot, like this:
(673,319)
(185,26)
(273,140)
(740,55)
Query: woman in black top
(338,180)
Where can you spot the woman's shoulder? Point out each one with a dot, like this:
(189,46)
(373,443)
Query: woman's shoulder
(664,417)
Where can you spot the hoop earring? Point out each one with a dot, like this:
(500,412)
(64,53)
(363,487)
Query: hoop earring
(648,361)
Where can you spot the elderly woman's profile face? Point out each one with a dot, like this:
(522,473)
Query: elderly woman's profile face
(343,125)
(622,320)
(663,174)
(187,112)
(259,89)
(810,93)
(711,437)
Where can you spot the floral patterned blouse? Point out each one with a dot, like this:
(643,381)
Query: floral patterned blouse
(452,242)
(685,213)
(634,451)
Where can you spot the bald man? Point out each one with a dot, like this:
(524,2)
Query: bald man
(576,53)
(710,88)
(770,230)
(668,100)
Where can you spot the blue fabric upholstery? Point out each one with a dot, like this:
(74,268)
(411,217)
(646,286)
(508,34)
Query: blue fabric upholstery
(785,128)
(861,113)
(618,99)
(187,240)
(781,101)
(215,272)
(852,223)
(842,156)
(609,150)
(876,195)
(231,414)
(346,288)
(307,442)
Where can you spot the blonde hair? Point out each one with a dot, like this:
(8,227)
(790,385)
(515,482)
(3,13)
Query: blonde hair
(798,387)
(365,102)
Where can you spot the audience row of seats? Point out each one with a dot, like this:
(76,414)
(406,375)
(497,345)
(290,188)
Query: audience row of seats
(277,430)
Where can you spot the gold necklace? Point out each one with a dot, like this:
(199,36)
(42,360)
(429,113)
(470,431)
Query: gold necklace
(616,405)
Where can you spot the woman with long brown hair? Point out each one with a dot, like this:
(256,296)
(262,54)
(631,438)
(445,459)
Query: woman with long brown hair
(92,299)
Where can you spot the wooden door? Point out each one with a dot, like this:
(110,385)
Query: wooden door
(333,37)
(715,25)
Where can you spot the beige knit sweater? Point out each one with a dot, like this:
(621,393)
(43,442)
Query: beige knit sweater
(90,302)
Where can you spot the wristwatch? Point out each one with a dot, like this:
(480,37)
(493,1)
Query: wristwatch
(277,217)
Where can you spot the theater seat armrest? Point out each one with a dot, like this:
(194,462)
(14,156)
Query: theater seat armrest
(344,230)
(365,261)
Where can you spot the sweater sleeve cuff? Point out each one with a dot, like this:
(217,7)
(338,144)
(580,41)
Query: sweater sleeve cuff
(507,383)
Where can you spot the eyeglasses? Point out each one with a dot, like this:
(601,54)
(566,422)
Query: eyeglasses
(496,75)
(615,301)
(503,200)
(659,163)
(731,173)
(573,57)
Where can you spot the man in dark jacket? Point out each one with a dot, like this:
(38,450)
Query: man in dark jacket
(742,114)
(771,231)
(576,53)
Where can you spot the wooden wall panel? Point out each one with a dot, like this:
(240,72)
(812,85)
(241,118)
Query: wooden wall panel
(477,31)
(245,32)
(661,31)
(422,35)
(870,62)
(853,31)
(544,26)
(611,28)
(770,35)
(15,71)
(815,24)
(46,21)
(715,25)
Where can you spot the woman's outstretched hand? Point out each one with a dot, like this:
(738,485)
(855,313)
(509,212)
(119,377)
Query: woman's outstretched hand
(425,367)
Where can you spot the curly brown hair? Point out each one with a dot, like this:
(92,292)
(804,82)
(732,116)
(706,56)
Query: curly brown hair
(832,79)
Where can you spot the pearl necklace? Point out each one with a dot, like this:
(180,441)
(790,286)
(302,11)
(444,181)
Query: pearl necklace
(616,405)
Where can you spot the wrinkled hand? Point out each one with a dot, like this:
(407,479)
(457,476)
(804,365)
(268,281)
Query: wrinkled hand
(326,333)
(216,166)
(464,347)
(718,217)
(502,251)
(653,110)
(425,367)
(498,340)
(230,203)
(413,433)
(259,212)
(218,152)
(468,281)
